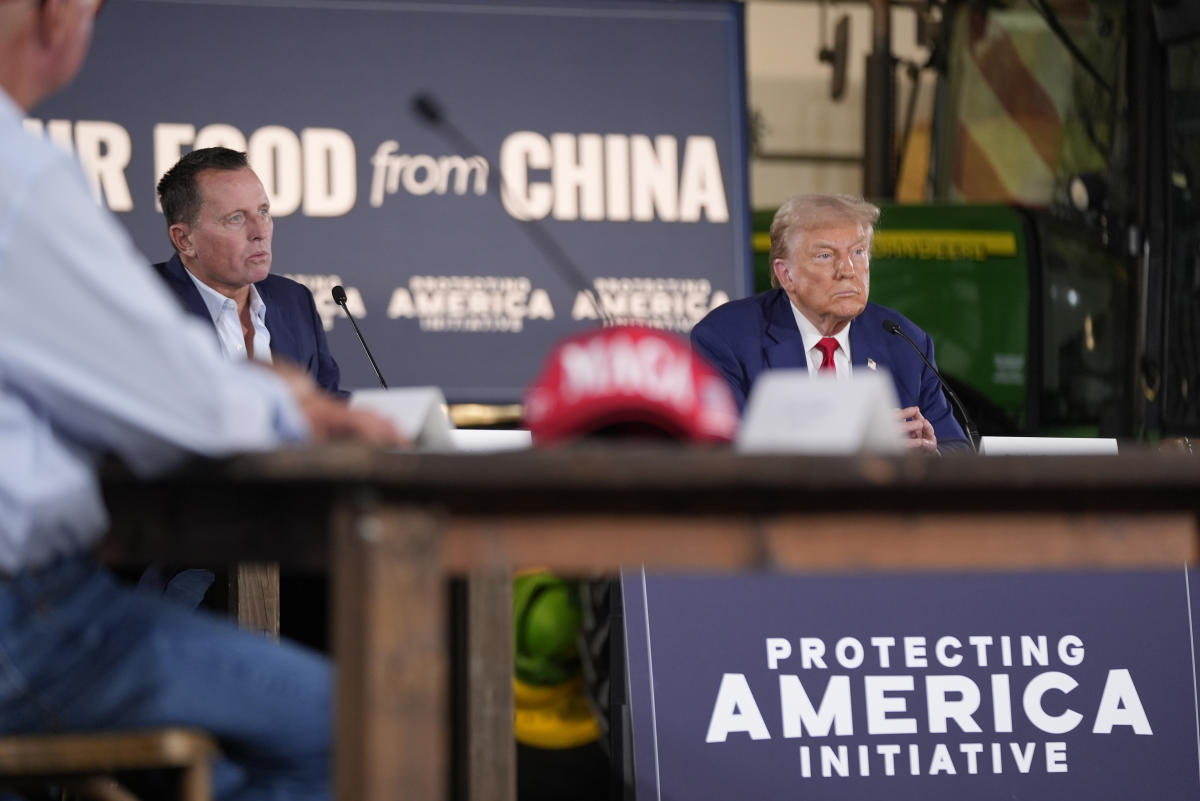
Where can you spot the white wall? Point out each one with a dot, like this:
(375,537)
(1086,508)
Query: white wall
(789,89)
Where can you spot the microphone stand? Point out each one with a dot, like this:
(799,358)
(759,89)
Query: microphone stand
(427,108)
(339,297)
(892,327)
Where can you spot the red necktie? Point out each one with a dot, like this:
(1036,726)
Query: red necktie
(827,346)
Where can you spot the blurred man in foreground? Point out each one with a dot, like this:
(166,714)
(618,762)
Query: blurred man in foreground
(819,317)
(96,358)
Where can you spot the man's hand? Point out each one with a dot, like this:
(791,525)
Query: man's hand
(918,432)
(332,418)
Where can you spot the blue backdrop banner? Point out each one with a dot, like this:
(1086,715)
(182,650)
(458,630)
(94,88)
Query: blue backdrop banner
(469,171)
(985,686)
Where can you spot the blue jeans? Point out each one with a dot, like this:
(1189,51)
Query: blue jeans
(81,652)
(188,586)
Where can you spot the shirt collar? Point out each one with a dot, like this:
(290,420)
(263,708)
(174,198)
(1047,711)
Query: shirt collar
(216,303)
(9,110)
(811,336)
(258,308)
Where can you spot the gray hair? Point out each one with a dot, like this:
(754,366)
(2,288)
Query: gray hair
(801,213)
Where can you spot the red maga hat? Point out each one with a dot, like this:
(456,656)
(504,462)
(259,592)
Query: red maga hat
(628,379)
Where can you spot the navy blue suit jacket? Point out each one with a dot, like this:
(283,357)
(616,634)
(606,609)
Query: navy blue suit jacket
(743,338)
(296,331)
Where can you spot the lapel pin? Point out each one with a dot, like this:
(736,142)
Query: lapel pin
(871,364)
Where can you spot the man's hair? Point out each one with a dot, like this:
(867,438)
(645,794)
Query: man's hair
(177,190)
(801,213)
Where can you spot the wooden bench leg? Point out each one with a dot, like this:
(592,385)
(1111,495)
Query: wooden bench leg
(196,783)
(254,596)
(492,750)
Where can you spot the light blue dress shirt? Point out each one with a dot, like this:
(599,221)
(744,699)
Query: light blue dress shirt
(96,357)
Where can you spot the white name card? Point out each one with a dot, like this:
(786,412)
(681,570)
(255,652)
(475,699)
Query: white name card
(419,413)
(790,412)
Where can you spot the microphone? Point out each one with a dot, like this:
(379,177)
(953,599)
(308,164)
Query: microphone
(893,327)
(427,108)
(339,297)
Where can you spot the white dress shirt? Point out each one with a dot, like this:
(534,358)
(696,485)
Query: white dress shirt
(97,357)
(224,314)
(811,336)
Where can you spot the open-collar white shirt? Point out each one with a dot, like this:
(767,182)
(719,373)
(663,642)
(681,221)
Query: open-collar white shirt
(224,314)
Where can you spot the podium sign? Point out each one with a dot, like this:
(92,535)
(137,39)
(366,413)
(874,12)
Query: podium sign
(989,686)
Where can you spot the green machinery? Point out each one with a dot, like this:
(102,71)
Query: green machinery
(1026,316)
(1050,242)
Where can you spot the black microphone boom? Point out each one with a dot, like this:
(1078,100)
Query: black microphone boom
(893,327)
(426,107)
(339,297)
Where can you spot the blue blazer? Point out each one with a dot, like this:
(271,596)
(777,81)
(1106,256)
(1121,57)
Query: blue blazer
(296,331)
(743,338)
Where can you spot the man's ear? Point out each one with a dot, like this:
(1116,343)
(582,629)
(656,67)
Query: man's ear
(782,276)
(181,238)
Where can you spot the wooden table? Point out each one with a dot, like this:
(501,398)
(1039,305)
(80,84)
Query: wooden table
(391,527)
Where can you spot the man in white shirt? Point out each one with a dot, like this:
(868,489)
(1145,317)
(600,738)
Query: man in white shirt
(819,317)
(219,222)
(106,363)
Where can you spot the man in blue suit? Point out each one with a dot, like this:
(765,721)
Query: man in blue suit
(219,220)
(818,317)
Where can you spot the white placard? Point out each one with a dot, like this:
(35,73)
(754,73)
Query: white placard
(789,411)
(419,413)
(1001,446)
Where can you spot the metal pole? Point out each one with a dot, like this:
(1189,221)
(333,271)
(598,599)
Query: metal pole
(879,124)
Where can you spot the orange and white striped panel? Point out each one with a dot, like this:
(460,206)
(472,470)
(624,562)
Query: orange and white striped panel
(1014,89)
